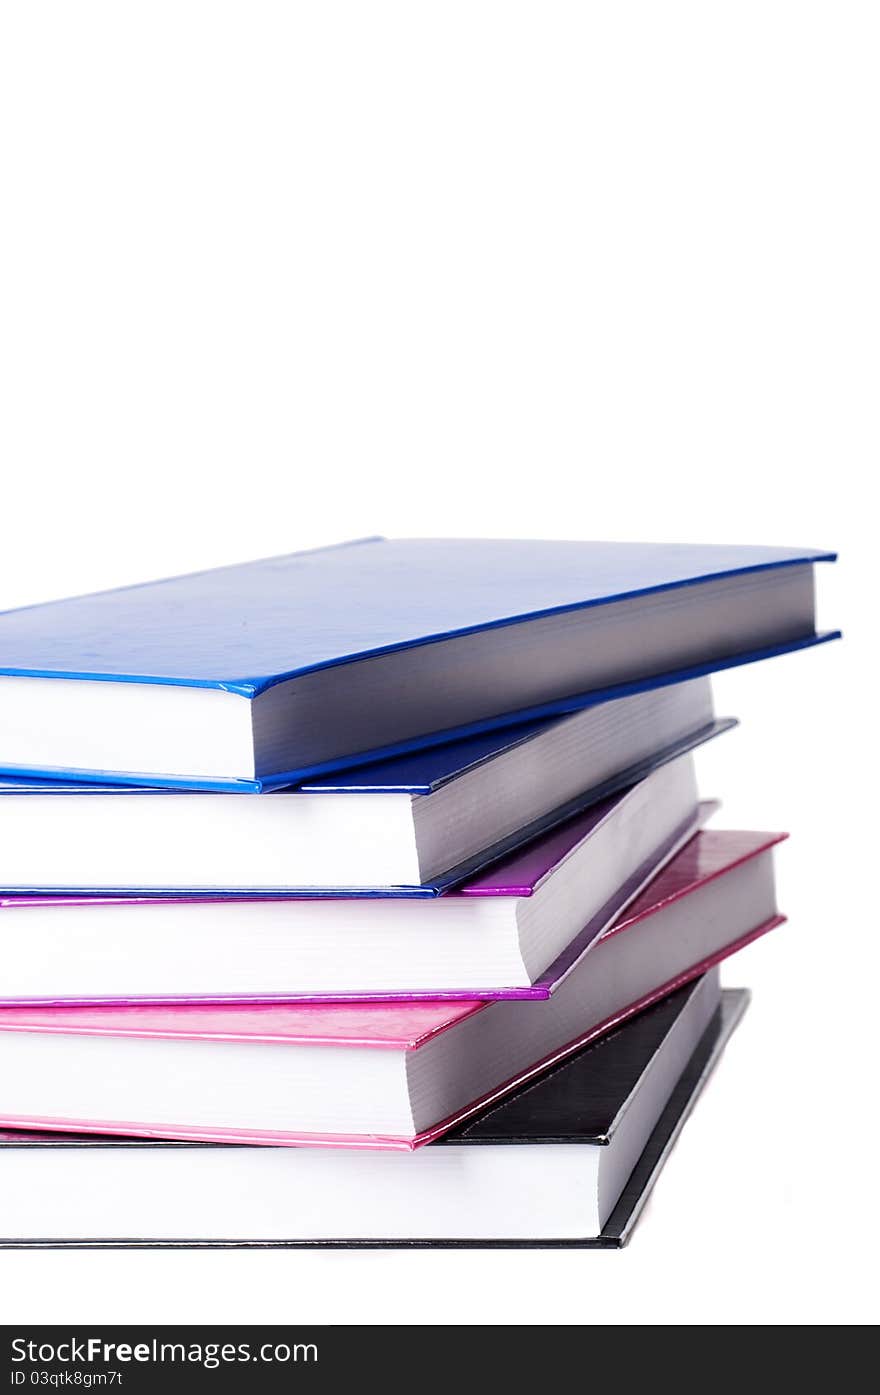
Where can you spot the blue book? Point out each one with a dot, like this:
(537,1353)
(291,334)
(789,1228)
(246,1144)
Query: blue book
(412,825)
(254,676)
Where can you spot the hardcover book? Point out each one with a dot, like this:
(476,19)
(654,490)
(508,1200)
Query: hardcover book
(256,675)
(69,951)
(411,826)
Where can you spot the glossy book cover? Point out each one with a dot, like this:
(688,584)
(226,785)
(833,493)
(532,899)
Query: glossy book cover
(241,631)
(248,626)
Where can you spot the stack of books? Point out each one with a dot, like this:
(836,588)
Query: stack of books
(364,895)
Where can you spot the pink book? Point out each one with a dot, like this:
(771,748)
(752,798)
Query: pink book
(374,1075)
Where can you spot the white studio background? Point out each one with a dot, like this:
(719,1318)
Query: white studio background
(274,275)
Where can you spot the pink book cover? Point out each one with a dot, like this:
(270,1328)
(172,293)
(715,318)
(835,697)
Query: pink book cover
(518,875)
(397,1026)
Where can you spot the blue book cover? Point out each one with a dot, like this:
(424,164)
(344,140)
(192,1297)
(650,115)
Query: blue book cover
(370,649)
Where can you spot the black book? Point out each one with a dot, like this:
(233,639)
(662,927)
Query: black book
(568,1160)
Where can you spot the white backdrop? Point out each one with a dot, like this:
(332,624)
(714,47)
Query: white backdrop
(274,275)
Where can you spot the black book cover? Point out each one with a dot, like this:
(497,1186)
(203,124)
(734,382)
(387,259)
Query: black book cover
(579,1100)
